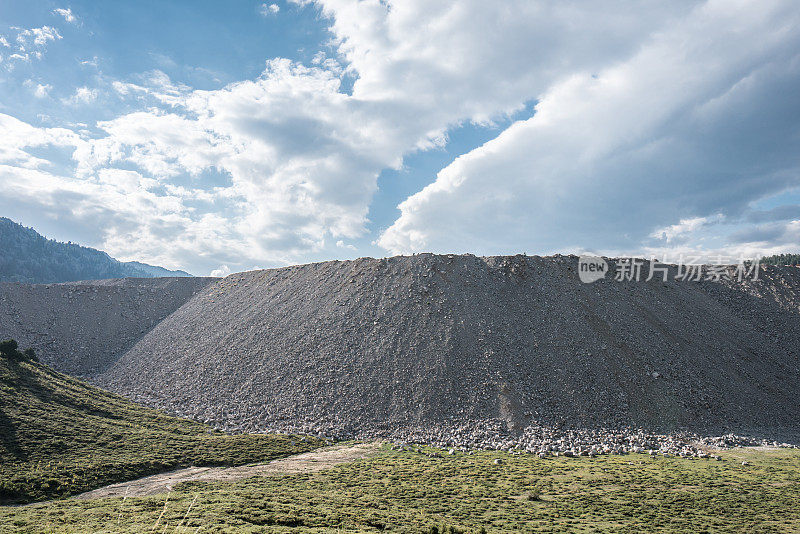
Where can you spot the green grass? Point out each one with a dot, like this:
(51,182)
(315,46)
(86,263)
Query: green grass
(60,436)
(408,492)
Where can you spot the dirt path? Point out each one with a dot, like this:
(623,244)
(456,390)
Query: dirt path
(302,463)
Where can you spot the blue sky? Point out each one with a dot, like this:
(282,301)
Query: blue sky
(219,137)
(203,44)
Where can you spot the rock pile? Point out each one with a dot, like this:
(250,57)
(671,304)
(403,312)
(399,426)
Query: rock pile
(548,441)
(500,352)
(81,327)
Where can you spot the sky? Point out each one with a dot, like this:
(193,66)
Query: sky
(218,137)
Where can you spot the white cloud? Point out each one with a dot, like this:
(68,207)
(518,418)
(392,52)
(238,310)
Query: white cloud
(130,215)
(684,228)
(347,246)
(328,63)
(19,136)
(301,172)
(28,44)
(476,60)
(302,158)
(66,13)
(269,9)
(672,132)
(82,95)
(42,90)
(223,270)
(123,88)
(39,90)
(646,114)
(155,84)
(37,36)
(136,220)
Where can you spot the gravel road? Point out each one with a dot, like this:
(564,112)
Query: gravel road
(308,462)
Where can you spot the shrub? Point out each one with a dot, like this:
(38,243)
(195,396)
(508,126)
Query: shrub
(30,355)
(8,349)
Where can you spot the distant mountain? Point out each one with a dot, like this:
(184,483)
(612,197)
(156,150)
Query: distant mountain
(154,270)
(26,256)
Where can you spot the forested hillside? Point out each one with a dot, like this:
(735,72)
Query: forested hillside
(31,258)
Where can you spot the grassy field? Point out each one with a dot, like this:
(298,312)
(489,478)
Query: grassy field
(410,492)
(60,436)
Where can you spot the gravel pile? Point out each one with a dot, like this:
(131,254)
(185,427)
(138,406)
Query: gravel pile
(81,327)
(502,352)
(548,441)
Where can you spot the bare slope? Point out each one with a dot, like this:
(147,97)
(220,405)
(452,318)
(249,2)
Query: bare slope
(81,327)
(426,342)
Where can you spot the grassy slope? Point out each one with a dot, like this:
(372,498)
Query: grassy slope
(60,436)
(408,492)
